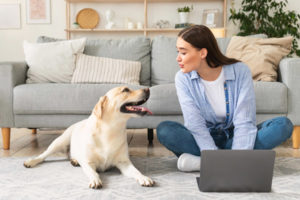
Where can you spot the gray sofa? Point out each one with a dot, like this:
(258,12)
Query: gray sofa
(57,105)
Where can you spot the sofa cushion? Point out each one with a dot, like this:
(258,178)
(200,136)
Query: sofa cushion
(223,43)
(163,60)
(270,98)
(163,100)
(56,98)
(134,49)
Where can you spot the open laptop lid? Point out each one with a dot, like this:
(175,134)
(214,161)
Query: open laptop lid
(236,170)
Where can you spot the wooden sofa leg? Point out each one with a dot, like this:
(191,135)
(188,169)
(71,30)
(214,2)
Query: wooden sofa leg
(6,138)
(296,137)
(150,136)
(34,131)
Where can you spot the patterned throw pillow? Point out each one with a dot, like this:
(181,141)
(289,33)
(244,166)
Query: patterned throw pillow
(93,69)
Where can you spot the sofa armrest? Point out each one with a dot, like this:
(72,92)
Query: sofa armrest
(11,74)
(289,74)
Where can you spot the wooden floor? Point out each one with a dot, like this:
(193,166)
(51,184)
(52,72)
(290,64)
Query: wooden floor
(26,144)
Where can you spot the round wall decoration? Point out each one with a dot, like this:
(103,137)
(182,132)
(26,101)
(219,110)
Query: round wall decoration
(87,18)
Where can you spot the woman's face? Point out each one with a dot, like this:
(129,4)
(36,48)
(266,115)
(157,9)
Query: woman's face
(188,58)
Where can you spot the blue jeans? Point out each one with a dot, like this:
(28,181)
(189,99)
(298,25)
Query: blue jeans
(178,139)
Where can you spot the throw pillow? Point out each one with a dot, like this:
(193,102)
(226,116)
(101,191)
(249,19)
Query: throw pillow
(93,69)
(134,48)
(261,55)
(52,62)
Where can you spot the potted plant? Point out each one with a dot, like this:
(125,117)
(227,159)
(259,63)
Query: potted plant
(75,25)
(268,17)
(184,13)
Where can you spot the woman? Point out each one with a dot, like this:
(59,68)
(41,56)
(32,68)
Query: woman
(217,100)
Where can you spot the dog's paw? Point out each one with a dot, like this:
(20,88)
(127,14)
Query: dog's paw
(31,162)
(145,181)
(95,184)
(75,163)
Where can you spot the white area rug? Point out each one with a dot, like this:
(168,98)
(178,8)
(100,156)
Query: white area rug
(60,180)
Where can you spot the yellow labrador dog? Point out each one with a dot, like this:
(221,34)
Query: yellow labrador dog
(100,141)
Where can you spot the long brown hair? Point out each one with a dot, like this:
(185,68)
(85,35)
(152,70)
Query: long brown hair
(199,36)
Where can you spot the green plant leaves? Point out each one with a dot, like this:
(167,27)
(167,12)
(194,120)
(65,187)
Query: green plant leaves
(185,9)
(268,17)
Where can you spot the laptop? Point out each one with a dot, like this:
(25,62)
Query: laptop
(236,170)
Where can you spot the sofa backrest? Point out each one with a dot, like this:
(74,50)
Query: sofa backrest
(163,58)
(135,49)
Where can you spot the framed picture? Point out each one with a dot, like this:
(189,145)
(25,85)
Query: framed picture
(211,18)
(38,11)
(10,17)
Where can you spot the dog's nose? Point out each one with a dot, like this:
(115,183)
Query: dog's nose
(147,90)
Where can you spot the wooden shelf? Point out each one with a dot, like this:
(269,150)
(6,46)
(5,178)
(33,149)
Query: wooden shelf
(133,1)
(172,1)
(133,30)
(104,30)
(163,29)
(218,32)
(104,1)
(125,30)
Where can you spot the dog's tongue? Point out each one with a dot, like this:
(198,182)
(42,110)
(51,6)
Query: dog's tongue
(147,110)
(140,108)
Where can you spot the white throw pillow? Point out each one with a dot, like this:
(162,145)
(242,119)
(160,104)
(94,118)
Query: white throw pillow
(52,62)
(92,69)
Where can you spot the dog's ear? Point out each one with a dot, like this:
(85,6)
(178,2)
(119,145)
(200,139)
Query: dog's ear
(99,107)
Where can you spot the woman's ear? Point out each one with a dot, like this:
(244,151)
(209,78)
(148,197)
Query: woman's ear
(203,53)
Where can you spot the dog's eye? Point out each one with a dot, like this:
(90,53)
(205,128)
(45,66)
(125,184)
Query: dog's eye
(125,90)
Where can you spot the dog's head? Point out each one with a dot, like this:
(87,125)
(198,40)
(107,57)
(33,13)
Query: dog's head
(122,101)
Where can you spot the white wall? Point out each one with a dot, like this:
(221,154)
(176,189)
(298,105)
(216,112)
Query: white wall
(11,41)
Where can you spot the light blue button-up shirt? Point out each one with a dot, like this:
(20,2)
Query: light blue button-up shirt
(199,116)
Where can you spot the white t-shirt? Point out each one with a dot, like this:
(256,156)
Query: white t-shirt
(215,94)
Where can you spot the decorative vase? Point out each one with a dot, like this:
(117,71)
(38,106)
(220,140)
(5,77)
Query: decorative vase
(130,25)
(109,15)
(139,25)
(183,17)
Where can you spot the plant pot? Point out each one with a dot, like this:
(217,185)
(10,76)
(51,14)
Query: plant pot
(183,17)
(75,26)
